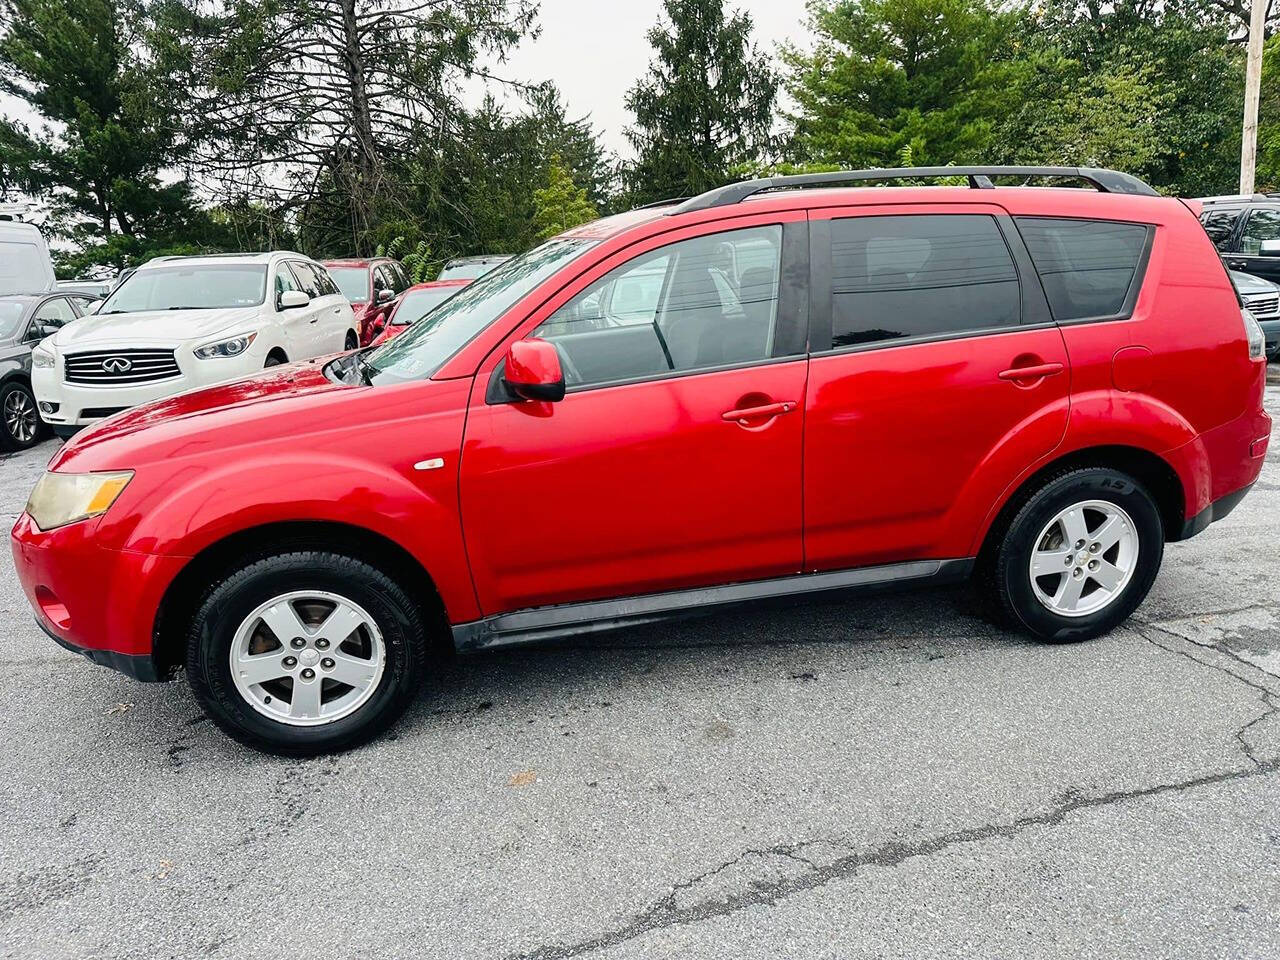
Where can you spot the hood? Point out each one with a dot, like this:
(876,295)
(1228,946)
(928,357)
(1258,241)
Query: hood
(210,408)
(152,327)
(1249,285)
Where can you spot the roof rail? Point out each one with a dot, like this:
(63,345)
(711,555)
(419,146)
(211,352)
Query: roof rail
(1105,181)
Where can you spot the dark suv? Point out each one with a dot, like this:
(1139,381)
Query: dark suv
(1246,231)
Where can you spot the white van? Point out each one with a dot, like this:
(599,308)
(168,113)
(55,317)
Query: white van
(25,266)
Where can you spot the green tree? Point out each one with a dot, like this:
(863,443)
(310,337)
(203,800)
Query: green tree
(82,65)
(705,106)
(561,204)
(934,75)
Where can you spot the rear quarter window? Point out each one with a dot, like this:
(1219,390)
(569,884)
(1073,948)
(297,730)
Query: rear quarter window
(1087,267)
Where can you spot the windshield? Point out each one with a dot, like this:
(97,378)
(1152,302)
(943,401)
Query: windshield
(203,286)
(416,304)
(11,313)
(470,269)
(352,281)
(419,352)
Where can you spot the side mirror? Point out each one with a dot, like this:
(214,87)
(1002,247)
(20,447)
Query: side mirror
(292,299)
(38,331)
(383,296)
(533,371)
(1269,248)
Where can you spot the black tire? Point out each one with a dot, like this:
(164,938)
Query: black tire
(20,425)
(352,341)
(1008,576)
(228,603)
(273,360)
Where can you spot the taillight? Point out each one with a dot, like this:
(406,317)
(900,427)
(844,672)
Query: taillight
(1253,333)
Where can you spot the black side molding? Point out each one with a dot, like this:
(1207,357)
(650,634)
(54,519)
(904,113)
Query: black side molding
(572,619)
(1217,510)
(140,667)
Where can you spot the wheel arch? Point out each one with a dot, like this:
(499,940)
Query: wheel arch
(1153,471)
(182,596)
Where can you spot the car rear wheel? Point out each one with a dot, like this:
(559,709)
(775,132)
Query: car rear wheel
(305,653)
(1079,556)
(20,424)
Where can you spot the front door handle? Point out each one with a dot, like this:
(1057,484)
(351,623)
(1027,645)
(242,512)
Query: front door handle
(1034,372)
(768,410)
(1237,264)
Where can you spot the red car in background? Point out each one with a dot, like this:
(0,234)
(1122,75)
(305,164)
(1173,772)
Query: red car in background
(373,287)
(415,304)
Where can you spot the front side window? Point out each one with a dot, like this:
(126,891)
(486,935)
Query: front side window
(421,350)
(919,276)
(1220,223)
(55,312)
(1263,224)
(307,279)
(418,303)
(180,286)
(1085,266)
(695,304)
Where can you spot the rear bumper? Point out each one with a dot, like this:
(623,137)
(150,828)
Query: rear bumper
(1217,510)
(99,602)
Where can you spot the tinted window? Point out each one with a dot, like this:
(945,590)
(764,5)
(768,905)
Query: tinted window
(308,281)
(1220,224)
(1086,266)
(914,276)
(699,303)
(1263,224)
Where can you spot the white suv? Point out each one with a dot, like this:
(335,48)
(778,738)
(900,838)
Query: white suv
(178,323)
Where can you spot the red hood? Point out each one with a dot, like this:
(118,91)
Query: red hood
(200,411)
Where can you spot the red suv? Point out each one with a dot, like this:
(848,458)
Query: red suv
(373,287)
(768,390)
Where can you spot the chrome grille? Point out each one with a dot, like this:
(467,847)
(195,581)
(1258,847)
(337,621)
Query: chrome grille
(119,367)
(1262,307)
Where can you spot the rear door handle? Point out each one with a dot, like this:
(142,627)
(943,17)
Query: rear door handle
(744,414)
(1237,264)
(1031,373)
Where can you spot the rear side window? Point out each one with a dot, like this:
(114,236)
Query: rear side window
(1220,223)
(1086,266)
(919,276)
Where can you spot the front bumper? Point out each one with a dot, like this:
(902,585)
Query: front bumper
(79,405)
(98,602)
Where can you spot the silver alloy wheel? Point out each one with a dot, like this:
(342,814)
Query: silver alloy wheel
(307,658)
(1084,558)
(20,416)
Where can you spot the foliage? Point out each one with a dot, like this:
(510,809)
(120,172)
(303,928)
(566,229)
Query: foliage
(934,75)
(704,107)
(417,261)
(561,204)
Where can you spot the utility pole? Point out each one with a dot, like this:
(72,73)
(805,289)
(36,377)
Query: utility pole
(1252,81)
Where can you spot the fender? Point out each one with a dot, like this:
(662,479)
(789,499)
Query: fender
(1101,418)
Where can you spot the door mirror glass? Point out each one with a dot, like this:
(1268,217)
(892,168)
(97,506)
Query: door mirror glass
(1269,248)
(293,298)
(533,371)
(384,296)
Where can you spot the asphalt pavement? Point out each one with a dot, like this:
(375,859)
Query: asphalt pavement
(888,777)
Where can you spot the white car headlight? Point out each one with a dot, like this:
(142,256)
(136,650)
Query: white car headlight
(62,498)
(42,356)
(226,348)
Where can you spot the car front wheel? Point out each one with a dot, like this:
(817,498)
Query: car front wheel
(305,653)
(20,424)
(1079,556)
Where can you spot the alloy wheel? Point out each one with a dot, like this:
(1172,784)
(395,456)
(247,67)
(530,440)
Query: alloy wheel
(1084,558)
(307,658)
(20,417)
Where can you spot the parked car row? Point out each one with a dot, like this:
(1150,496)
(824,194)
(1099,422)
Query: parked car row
(778,388)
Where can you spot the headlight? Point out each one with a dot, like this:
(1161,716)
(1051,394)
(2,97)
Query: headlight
(226,348)
(42,356)
(62,498)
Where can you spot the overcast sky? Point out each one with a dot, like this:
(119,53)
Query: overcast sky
(595,50)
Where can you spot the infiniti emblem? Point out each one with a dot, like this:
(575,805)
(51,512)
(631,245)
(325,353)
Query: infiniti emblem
(117,365)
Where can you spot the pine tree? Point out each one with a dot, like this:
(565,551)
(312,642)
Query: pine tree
(561,204)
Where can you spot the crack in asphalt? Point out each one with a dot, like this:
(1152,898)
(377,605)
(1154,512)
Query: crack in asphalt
(665,912)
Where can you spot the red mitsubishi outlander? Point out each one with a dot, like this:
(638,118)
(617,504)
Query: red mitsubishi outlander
(773,389)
